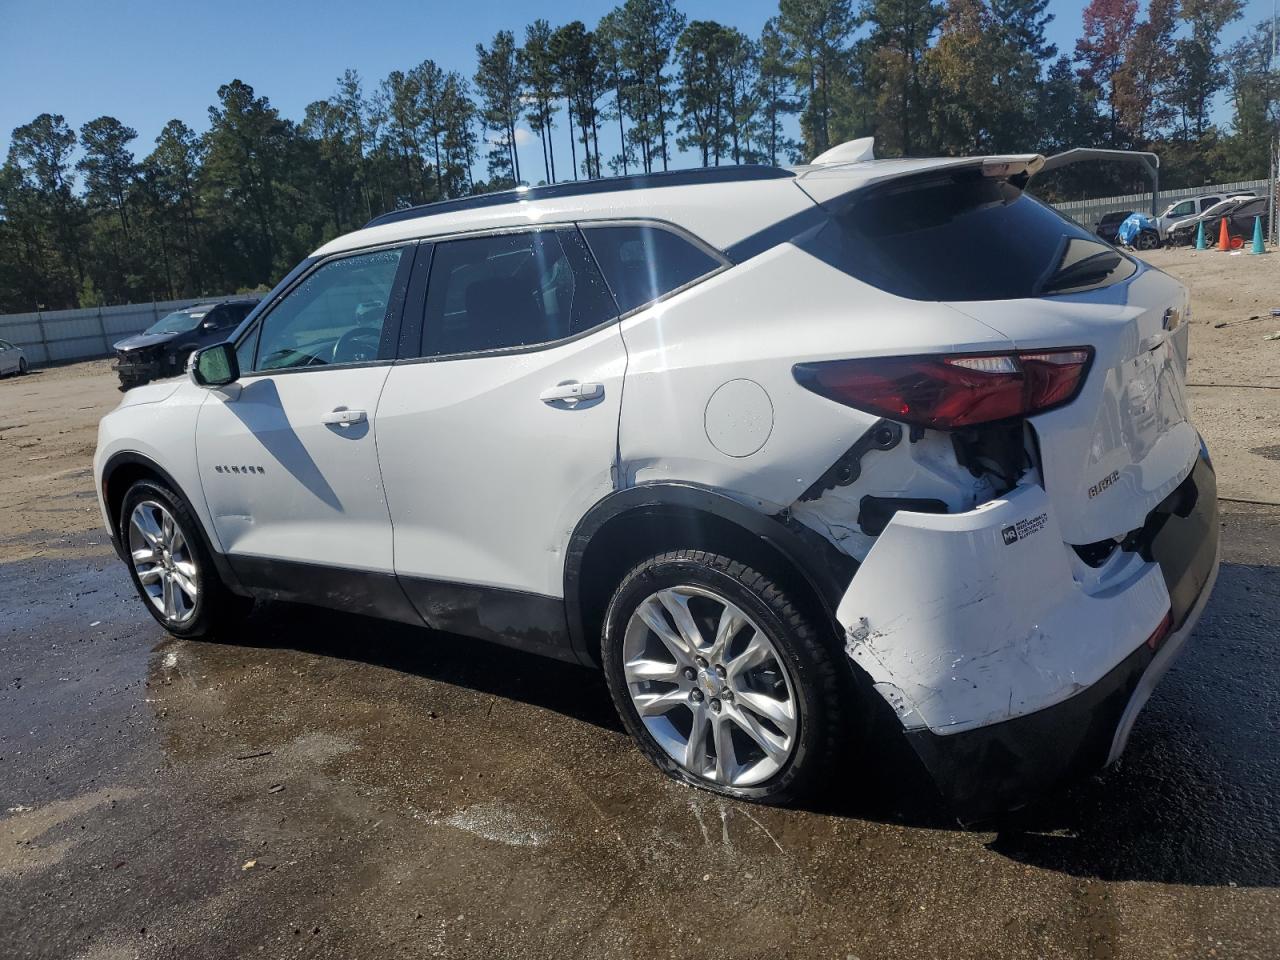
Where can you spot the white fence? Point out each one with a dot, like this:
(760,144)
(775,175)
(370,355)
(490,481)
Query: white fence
(61,335)
(1088,212)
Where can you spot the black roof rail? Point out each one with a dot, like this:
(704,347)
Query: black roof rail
(578,188)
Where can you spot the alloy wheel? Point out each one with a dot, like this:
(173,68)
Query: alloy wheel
(710,686)
(163,561)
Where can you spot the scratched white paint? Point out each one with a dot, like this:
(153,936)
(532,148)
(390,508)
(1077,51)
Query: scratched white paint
(959,625)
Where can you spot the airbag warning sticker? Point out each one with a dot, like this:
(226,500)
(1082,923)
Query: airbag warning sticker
(1024,528)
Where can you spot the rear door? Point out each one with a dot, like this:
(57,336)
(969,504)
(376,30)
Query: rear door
(287,454)
(498,429)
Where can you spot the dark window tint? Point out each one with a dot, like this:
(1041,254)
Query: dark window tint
(334,316)
(513,290)
(233,313)
(963,238)
(642,263)
(1254,208)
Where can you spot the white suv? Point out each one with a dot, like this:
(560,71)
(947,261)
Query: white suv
(769,446)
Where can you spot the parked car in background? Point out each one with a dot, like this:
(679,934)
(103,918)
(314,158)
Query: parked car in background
(1138,231)
(162,349)
(770,447)
(1191,207)
(1108,227)
(12,359)
(1183,232)
(1241,219)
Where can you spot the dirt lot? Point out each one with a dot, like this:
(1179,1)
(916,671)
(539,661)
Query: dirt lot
(1236,372)
(332,786)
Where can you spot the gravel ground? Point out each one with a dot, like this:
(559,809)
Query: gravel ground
(333,786)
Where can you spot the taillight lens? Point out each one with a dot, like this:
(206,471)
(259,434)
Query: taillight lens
(1158,635)
(944,392)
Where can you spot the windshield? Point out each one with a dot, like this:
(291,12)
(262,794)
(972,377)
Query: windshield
(963,237)
(180,321)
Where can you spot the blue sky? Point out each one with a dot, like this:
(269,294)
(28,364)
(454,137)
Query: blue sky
(146,61)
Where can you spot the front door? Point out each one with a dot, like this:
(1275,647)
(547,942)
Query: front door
(287,454)
(502,432)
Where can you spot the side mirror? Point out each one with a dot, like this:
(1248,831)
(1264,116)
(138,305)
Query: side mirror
(209,325)
(214,366)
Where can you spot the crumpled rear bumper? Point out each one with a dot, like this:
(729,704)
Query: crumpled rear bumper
(1007,676)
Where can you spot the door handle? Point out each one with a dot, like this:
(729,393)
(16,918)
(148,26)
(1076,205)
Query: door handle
(342,417)
(572,390)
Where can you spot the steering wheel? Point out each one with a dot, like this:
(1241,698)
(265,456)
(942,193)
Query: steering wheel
(358,345)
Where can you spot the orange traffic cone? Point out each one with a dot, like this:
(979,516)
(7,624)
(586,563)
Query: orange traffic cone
(1224,236)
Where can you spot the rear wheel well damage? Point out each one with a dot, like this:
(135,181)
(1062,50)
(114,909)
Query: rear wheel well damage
(634,524)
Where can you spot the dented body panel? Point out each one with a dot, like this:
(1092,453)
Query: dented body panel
(1002,581)
(969,619)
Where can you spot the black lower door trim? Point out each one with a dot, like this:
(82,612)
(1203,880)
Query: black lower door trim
(365,592)
(527,621)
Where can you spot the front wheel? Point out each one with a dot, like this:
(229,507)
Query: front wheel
(22,366)
(721,678)
(1146,240)
(171,568)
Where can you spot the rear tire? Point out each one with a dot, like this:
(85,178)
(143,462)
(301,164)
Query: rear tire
(171,567)
(740,696)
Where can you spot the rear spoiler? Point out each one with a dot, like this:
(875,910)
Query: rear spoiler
(852,166)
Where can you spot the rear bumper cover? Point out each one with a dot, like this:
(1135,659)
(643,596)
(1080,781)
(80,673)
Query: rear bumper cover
(1008,681)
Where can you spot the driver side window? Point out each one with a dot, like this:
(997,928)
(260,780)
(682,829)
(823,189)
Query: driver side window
(334,316)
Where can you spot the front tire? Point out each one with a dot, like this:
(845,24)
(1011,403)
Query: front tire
(170,566)
(22,366)
(721,678)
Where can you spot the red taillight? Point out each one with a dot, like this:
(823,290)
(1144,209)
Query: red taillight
(960,390)
(1160,632)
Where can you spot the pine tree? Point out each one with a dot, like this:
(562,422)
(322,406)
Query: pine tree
(500,82)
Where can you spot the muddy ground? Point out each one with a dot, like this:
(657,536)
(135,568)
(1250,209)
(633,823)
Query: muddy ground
(336,787)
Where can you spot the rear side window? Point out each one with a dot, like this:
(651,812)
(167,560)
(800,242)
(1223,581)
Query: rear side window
(511,290)
(643,263)
(963,237)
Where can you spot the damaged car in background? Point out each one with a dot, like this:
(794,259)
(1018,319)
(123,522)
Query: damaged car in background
(770,447)
(163,348)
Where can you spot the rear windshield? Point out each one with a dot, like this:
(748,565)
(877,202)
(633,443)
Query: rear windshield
(963,237)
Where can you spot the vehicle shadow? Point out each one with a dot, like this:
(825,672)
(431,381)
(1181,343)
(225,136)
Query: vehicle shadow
(1196,799)
(565,688)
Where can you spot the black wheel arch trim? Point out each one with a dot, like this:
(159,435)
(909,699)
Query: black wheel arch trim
(825,569)
(128,458)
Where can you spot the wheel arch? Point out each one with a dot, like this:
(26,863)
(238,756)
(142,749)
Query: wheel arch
(120,472)
(632,524)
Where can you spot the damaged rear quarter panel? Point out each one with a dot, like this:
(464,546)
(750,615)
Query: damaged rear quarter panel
(755,321)
(964,620)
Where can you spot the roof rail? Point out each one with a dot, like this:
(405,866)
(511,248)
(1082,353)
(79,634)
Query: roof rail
(577,188)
